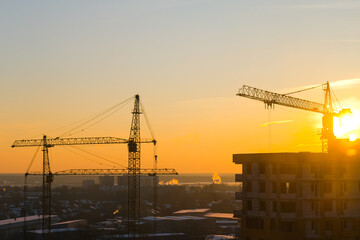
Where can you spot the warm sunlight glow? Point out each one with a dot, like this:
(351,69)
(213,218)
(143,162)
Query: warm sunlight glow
(216,178)
(351,152)
(352,137)
(171,182)
(346,124)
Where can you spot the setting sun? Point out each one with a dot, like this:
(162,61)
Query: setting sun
(352,137)
(347,124)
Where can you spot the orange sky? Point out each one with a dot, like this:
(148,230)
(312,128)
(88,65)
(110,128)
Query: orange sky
(195,136)
(64,61)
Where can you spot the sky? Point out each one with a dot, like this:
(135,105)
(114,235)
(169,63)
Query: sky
(63,61)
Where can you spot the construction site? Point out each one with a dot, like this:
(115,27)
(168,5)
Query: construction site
(180,120)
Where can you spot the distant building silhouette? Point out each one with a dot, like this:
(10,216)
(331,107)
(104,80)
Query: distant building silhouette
(86,184)
(145,181)
(107,181)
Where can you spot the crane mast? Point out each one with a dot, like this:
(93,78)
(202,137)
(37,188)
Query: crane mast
(134,173)
(46,197)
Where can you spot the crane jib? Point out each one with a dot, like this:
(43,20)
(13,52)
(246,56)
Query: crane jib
(271,98)
(109,172)
(50,142)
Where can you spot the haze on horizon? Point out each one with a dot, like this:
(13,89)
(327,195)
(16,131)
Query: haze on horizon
(63,61)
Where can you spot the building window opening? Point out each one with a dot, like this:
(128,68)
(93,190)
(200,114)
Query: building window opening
(329,225)
(287,187)
(273,224)
(327,187)
(274,169)
(312,225)
(312,206)
(249,205)
(249,187)
(262,206)
(328,206)
(262,168)
(288,207)
(348,224)
(274,187)
(262,187)
(287,168)
(313,168)
(287,226)
(274,208)
(344,206)
(249,168)
(254,223)
(344,187)
(314,188)
(284,187)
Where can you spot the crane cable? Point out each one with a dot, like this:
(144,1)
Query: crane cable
(101,156)
(32,161)
(337,101)
(92,118)
(67,125)
(316,86)
(147,121)
(119,106)
(152,134)
(91,125)
(98,156)
(92,160)
(302,90)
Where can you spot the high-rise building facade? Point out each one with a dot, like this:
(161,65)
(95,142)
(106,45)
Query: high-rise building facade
(300,195)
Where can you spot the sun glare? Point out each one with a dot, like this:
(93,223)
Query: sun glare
(346,125)
(352,137)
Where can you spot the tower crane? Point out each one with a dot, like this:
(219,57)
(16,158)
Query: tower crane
(133,171)
(327,108)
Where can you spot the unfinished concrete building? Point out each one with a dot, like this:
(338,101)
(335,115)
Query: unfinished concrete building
(300,195)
